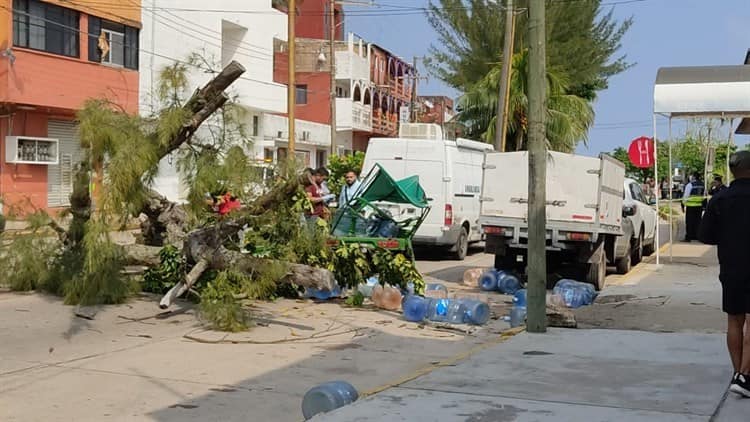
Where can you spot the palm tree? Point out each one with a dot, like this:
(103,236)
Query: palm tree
(568,116)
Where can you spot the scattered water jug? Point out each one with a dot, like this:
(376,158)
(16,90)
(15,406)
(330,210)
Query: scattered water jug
(517,316)
(437,310)
(477,312)
(415,308)
(327,397)
(488,280)
(436,291)
(322,294)
(508,283)
(574,293)
(366,288)
(387,228)
(456,312)
(519,299)
(387,297)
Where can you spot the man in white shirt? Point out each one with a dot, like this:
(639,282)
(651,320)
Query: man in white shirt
(349,190)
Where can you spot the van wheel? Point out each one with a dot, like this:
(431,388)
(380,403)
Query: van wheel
(637,250)
(597,272)
(462,245)
(649,249)
(624,264)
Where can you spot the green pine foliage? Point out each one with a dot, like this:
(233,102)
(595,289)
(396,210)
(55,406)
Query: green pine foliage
(583,40)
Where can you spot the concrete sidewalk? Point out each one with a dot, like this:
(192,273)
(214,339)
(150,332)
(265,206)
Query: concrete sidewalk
(659,355)
(567,375)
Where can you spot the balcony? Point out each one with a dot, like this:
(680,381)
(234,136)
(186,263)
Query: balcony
(350,65)
(352,115)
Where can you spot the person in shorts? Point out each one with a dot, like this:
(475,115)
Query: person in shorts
(726,224)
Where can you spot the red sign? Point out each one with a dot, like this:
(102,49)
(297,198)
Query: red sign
(641,152)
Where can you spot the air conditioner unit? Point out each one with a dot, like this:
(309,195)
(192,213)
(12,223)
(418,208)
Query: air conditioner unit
(305,135)
(427,131)
(31,150)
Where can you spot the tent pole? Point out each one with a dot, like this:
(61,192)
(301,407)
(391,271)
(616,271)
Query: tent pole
(671,225)
(729,148)
(656,177)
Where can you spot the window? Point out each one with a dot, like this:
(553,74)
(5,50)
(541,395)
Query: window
(256,127)
(113,43)
(320,158)
(301,92)
(637,193)
(282,154)
(45,27)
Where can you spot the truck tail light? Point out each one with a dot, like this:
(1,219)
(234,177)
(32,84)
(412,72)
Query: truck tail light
(448,221)
(494,230)
(579,237)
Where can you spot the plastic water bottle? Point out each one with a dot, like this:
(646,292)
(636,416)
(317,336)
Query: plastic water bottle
(456,312)
(575,294)
(322,294)
(488,281)
(436,290)
(327,397)
(508,283)
(366,288)
(477,312)
(517,316)
(519,299)
(387,297)
(437,310)
(415,308)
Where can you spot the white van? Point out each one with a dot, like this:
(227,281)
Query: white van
(450,173)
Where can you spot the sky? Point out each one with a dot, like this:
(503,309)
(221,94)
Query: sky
(664,33)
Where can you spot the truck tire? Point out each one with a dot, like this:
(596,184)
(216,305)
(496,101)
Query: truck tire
(597,272)
(462,245)
(649,249)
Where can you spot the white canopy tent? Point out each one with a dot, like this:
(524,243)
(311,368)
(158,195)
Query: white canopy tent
(698,92)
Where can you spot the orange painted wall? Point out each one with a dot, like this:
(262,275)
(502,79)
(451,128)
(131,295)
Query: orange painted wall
(23,187)
(123,11)
(318,84)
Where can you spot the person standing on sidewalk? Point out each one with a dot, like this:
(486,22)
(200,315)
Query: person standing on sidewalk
(692,201)
(727,224)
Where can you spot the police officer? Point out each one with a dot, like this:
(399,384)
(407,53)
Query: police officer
(692,202)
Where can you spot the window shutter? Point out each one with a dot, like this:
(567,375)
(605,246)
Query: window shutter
(131,48)
(95,29)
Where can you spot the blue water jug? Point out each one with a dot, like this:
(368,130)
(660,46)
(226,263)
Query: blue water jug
(488,280)
(517,316)
(437,310)
(456,312)
(508,283)
(477,312)
(322,294)
(415,308)
(327,397)
(574,293)
(388,229)
(519,299)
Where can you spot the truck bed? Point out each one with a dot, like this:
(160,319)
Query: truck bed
(584,194)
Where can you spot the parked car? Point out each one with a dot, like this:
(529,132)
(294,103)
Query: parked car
(640,225)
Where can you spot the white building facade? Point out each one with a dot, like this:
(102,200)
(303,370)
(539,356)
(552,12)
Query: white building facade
(222,31)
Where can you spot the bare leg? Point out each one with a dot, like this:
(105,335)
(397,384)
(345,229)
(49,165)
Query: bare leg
(745,367)
(735,339)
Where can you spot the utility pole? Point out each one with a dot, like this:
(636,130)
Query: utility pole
(332,53)
(291,90)
(537,262)
(413,105)
(501,123)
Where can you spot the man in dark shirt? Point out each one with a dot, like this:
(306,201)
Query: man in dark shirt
(727,224)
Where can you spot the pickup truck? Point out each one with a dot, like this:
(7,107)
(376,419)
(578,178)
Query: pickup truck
(584,212)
